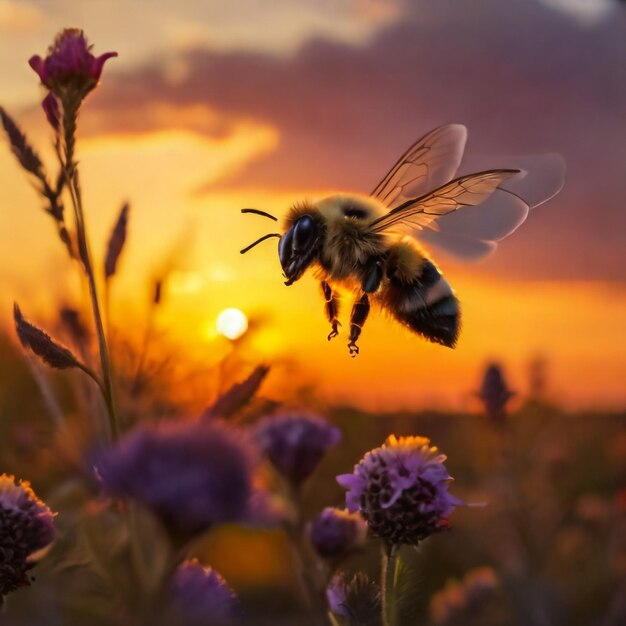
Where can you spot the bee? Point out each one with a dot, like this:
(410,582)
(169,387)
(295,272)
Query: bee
(370,244)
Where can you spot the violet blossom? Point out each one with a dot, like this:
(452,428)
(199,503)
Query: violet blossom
(401,490)
(69,66)
(295,443)
(334,533)
(26,527)
(201,596)
(192,475)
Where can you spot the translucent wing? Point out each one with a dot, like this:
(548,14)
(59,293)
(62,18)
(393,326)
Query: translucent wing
(473,233)
(466,191)
(429,163)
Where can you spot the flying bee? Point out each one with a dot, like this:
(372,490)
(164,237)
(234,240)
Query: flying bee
(371,244)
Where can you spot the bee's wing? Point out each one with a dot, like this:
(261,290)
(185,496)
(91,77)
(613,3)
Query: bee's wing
(429,163)
(465,191)
(473,233)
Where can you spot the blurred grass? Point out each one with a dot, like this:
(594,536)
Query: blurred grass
(568,478)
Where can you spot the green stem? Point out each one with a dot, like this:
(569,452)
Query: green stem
(388,581)
(71,174)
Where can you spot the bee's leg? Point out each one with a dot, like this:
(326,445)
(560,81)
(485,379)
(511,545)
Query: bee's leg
(373,275)
(331,308)
(359,314)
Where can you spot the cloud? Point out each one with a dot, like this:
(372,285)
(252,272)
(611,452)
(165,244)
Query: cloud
(18,17)
(522,78)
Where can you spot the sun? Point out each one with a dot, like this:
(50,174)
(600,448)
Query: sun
(232,323)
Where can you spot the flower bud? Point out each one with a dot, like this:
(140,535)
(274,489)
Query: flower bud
(334,533)
(295,444)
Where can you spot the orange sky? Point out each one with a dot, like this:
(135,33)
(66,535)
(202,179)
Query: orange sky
(189,162)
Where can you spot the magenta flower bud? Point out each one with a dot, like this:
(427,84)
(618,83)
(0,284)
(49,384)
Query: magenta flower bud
(192,475)
(50,106)
(295,443)
(70,65)
(26,527)
(401,490)
(334,533)
(200,596)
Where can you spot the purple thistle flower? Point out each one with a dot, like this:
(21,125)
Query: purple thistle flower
(201,596)
(26,527)
(401,490)
(334,532)
(191,475)
(295,443)
(69,65)
(357,600)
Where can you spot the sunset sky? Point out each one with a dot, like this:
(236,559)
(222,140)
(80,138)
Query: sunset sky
(214,106)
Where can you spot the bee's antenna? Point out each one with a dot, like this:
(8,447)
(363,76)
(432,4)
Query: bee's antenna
(257,212)
(258,241)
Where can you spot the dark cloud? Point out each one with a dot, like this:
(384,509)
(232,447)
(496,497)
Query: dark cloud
(520,76)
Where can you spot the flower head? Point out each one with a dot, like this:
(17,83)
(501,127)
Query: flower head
(401,490)
(191,475)
(26,527)
(295,443)
(201,596)
(70,67)
(334,532)
(355,599)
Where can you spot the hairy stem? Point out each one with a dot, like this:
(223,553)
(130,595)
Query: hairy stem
(71,173)
(388,580)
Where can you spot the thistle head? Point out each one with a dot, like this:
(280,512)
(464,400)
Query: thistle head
(401,490)
(191,476)
(334,532)
(201,596)
(70,70)
(295,443)
(26,527)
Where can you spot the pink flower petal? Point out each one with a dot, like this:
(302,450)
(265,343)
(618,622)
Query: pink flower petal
(96,64)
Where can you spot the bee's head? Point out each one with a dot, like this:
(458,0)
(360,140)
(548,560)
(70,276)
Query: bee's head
(300,245)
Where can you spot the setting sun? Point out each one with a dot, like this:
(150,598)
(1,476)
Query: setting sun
(232,323)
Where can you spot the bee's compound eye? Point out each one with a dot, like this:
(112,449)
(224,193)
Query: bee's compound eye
(303,230)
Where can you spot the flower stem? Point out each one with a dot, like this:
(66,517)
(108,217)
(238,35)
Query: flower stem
(71,173)
(388,580)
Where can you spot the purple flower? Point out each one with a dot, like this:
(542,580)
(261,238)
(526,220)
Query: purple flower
(26,527)
(191,475)
(334,532)
(401,490)
(201,596)
(357,600)
(69,64)
(295,443)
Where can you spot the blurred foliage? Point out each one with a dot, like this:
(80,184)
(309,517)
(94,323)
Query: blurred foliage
(553,526)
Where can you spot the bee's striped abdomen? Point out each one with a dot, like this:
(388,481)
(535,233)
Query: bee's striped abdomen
(426,304)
